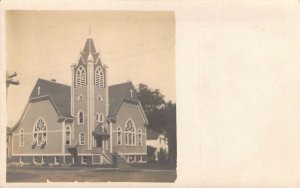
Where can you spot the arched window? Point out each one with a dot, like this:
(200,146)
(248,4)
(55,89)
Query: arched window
(80,98)
(99,98)
(80,117)
(119,136)
(68,135)
(140,137)
(101,118)
(21,138)
(99,77)
(39,132)
(80,77)
(129,133)
(97,117)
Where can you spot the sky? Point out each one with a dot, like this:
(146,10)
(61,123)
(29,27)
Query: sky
(136,46)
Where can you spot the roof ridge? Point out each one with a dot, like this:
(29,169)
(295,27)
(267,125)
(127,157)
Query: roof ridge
(53,82)
(127,82)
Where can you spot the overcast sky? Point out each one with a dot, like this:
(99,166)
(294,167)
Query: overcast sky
(136,46)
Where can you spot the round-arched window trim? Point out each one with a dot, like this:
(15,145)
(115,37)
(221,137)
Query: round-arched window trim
(40,132)
(130,133)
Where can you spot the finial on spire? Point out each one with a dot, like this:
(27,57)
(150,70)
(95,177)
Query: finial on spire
(90,31)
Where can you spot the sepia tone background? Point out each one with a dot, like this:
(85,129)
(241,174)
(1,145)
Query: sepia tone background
(135,45)
(238,91)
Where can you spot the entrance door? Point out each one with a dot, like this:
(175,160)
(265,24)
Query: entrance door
(98,141)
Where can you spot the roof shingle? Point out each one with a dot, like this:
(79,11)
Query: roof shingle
(59,93)
(117,93)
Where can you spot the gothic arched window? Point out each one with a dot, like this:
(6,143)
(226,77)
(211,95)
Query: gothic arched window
(80,117)
(129,133)
(39,132)
(99,77)
(97,117)
(80,77)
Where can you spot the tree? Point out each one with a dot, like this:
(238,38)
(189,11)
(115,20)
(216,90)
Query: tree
(171,130)
(161,116)
(153,104)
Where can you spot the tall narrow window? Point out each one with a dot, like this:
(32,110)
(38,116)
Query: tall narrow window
(21,138)
(97,117)
(140,137)
(119,136)
(82,138)
(101,118)
(99,77)
(68,135)
(39,133)
(130,133)
(80,117)
(80,77)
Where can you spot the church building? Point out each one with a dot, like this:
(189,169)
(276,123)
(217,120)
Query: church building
(88,122)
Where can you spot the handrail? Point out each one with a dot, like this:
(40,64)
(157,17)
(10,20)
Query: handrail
(107,155)
(121,154)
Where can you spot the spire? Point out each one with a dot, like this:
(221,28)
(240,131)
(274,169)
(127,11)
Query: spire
(89,46)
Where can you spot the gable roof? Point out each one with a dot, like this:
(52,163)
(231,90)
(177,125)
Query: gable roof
(119,92)
(60,95)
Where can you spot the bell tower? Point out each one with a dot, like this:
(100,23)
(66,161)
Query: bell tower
(89,93)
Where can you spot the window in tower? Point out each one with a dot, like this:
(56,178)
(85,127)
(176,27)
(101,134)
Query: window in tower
(99,98)
(101,118)
(80,77)
(80,117)
(99,77)
(80,98)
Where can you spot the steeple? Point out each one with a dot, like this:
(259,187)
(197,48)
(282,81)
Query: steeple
(89,51)
(89,46)
(89,83)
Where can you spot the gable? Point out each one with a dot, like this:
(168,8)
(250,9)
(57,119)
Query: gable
(42,107)
(119,92)
(131,108)
(60,95)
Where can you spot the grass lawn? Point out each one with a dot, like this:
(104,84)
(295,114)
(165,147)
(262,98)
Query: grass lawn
(24,174)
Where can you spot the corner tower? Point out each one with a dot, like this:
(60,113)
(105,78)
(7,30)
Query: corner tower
(89,94)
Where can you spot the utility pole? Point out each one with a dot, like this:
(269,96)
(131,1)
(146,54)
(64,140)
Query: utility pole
(9,81)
